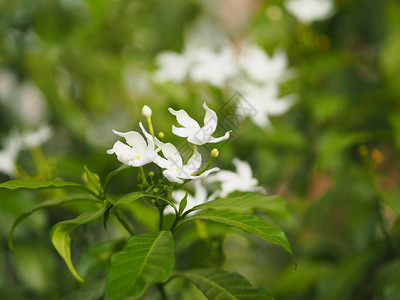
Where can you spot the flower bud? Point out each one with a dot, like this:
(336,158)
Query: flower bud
(214,152)
(161,135)
(146,111)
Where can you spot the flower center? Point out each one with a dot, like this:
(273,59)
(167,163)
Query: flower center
(137,157)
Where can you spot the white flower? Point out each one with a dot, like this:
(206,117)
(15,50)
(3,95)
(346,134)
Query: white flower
(9,154)
(308,11)
(175,170)
(31,139)
(173,66)
(260,67)
(213,67)
(265,101)
(191,129)
(200,196)
(146,111)
(242,180)
(138,153)
(7,84)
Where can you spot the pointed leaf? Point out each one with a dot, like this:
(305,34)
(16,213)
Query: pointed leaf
(93,181)
(248,202)
(145,259)
(62,241)
(38,184)
(248,223)
(224,285)
(183,203)
(44,204)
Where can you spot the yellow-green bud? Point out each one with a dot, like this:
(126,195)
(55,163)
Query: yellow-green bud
(151,173)
(214,152)
(161,135)
(155,190)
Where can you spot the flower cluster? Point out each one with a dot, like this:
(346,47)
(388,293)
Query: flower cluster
(250,71)
(139,151)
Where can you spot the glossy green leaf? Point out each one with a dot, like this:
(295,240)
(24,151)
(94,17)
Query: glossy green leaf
(62,241)
(45,204)
(183,203)
(224,285)
(248,223)
(145,259)
(93,181)
(38,185)
(248,202)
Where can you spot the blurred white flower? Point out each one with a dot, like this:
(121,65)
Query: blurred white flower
(175,170)
(256,63)
(265,101)
(191,129)
(173,66)
(31,139)
(308,11)
(29,105)
(214,67)
(241,180)
(9,154)
(138,153)
(199,197)
(7,85)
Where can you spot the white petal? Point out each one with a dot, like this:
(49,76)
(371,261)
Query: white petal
(133,139)
(183,119)
(222,138)
(194,162)
(205,174)
(172,155)
(171,176)
(125,154)
(242,168)
(161,162)
(149,137)
(210,121)
(181,131)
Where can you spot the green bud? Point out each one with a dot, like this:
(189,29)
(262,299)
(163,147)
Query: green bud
(161,135)
(214,152)
(156,190)
(151,173)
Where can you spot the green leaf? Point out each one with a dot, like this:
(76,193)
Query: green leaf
(248,223)
(145,259)
(183,203)
(61,240)
(248,202)
(93,181)
(44,204)
(224,285)
(38,185)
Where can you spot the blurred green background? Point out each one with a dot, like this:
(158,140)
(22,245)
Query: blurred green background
(85,67)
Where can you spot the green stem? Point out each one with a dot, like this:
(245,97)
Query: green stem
(143,176)
(208,165)
(121,218)
(150,124)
